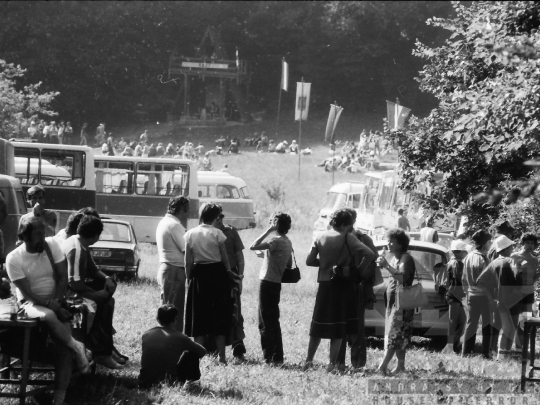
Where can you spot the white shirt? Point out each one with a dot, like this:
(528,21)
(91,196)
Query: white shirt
(204,241)
(36,268)
(170,241)
(427,234)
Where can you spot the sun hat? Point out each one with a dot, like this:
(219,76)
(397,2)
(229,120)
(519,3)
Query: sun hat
(502,242)
(458,245)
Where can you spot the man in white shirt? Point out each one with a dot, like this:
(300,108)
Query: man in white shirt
(41,287)
(171,246)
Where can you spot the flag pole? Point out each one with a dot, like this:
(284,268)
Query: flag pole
(300,127)
(279,102)
(333,146)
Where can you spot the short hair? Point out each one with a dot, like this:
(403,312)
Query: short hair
(27,226)
(400,236)
(75,218)
(400,211)
(283,222)
(480,238)
(166,314)
(210,213)
(353,213)
(341,217)
(90,226)
(34,190)
(529,237)
(176,203)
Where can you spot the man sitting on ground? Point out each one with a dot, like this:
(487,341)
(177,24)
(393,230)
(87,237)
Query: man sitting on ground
(38,270)
(80,267)
(168,355)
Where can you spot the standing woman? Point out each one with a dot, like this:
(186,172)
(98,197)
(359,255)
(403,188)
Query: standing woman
(277,258)
(209,300)
(399,323)
(335,315)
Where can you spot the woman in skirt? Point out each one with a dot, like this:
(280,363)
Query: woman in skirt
(399,323)
(209,302)
(335,315)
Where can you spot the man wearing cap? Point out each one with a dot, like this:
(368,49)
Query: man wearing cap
(455,295)
(503,228)
(171,246)
(234,247)
(499,283)
(478,304)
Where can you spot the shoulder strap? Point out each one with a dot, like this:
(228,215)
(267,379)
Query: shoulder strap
(294,258)
(50,257)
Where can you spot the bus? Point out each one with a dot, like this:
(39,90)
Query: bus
(231,193)
(138,189)
(65,171)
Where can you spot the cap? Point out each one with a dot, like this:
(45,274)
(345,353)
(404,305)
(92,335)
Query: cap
(502,242)
(458,245)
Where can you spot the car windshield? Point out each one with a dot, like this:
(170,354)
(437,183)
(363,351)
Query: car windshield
(113,231)
(425,262)
(335,201)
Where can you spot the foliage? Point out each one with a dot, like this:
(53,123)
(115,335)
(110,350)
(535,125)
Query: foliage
(19,105)
(486,80)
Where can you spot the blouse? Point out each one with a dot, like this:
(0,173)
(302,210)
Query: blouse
(276,258)
(204,241)
(405,265)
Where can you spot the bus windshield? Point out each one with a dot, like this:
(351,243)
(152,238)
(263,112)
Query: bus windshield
(335,201)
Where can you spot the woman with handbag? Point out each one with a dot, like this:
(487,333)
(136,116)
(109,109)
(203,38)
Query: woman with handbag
(336,253)
(399,323)
(277,259)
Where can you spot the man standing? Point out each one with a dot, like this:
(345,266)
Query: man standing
(171,246)
(428,233)
(81,266)
(144,136)
(84,135)
(477,301)
(502,228)
(32,130)
(36,199)
(403,222)
(234,247)
(38,270)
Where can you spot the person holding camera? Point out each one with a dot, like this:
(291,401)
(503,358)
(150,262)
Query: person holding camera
(39,271)
(336,252)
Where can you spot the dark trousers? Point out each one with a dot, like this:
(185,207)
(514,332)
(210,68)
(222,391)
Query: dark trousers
(187,368)
(357,343)
(100,339)
(478,306)
(269,327)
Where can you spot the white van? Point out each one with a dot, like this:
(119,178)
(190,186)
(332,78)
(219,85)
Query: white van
(231,193)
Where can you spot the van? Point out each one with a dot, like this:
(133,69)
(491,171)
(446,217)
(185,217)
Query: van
(12,207)
(231,193)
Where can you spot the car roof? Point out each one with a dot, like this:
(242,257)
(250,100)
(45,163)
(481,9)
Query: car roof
(114,221)
(415,243)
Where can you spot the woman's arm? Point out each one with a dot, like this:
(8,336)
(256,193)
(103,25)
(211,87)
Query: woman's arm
(224,257)
(258,245)
(312,259)
(189,260)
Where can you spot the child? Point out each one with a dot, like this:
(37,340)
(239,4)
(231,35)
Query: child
(403,222)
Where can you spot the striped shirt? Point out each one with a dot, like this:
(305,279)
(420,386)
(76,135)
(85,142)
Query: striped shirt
(80,264)
(473,265)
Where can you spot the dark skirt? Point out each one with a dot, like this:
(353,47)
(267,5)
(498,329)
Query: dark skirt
(209,302)
(335,314)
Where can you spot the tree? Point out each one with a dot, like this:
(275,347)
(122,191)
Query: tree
(486,124)
(19,106)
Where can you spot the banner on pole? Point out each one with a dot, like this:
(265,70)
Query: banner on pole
(302,101)
(284,75)
(397,114)
(333,117)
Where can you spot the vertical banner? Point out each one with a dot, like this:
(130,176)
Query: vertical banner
(333,118)
(397,114)
(284,75)
(302,101)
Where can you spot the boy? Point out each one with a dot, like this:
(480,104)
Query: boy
(403,222)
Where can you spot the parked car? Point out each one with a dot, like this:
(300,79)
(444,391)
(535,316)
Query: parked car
(445,239)
(117,253)
(430,321)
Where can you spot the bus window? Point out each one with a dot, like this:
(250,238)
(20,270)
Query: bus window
(244,192)
(114,177)
(399,199)
(371,196)
(66,169)
(356,200)
(386,193)
(226,191)
(162,179)
(27,166)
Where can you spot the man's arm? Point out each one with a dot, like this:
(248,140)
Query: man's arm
(78,285)
(61,277)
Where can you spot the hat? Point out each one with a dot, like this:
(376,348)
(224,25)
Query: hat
(502,242)
(480,238)
(458,245)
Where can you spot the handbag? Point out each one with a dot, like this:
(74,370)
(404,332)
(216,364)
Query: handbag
(412,296)
(291,275)
(343,273)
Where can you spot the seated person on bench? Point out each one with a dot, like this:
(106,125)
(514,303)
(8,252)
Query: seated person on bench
(38,270)
(80,267)
(168,354)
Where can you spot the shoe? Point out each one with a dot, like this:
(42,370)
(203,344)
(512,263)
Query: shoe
(307,365)
(107,361)
(80,358)
(122,360)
